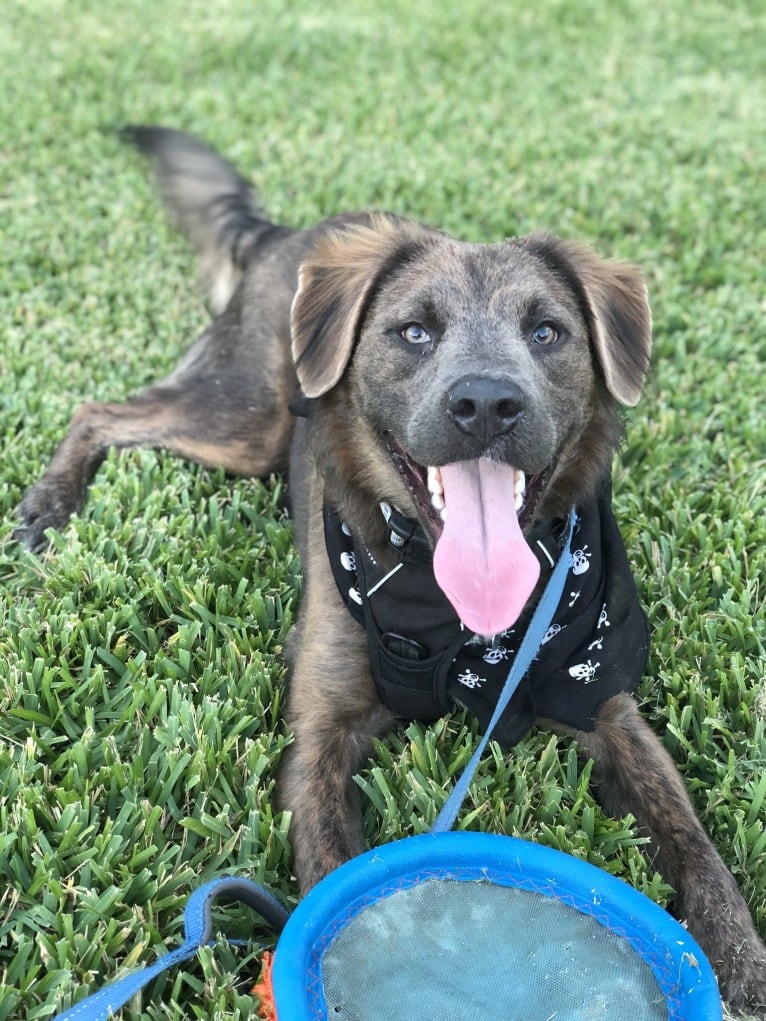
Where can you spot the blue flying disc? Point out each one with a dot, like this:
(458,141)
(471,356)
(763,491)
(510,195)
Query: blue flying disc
(463,926)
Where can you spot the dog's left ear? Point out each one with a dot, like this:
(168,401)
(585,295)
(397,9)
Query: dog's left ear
(617,308)
(335,286)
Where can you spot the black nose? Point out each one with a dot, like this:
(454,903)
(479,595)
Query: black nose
(485,406)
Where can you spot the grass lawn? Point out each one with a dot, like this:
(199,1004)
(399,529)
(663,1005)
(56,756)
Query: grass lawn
(140,674)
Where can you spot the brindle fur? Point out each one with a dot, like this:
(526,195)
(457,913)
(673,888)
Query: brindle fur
(340,293)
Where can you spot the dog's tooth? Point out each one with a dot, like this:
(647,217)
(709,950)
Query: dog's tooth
(437,501)
(519,489)
(434,481)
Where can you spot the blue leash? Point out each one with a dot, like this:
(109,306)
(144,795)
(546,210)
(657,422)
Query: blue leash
(198,919)
(528,649)
(198,931)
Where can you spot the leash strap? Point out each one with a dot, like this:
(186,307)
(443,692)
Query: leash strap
(198,931)
(528,649)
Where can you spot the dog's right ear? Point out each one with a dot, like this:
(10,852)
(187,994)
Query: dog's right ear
(335,286)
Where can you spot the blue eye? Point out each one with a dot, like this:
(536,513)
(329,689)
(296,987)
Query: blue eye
(545,334)
(415,334)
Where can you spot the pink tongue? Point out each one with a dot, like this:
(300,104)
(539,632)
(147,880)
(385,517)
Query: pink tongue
(481,562)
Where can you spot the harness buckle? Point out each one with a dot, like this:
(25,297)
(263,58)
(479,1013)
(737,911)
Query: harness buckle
(404,531)
(405,648)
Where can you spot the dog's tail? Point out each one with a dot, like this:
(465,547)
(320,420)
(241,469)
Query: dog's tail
(213,204)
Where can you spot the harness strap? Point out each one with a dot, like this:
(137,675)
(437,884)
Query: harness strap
(198,931)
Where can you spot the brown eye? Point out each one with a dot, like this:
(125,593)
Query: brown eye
(414,333)
(545,334)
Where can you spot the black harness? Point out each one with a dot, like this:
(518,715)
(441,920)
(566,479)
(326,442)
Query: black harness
(424,660)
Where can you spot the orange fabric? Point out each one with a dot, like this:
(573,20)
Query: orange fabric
(264,990)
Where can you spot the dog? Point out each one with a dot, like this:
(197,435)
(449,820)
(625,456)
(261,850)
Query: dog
(440,408)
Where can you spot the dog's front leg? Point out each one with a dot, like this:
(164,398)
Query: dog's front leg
(635,774)
(333,712)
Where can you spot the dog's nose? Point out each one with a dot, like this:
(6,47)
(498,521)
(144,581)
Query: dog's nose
(485,406)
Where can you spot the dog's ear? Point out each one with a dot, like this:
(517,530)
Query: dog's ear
(335,286)
(617,309)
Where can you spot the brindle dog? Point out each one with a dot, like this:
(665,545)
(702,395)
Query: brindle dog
(419,361)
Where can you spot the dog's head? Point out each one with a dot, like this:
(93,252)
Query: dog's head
(488,375)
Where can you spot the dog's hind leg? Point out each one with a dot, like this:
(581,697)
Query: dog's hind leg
(162,419)
(635,775)
(226,405)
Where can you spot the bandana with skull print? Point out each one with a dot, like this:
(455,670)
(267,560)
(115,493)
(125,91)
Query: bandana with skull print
(423,659)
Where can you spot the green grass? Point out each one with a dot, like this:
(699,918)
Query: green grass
(140,673)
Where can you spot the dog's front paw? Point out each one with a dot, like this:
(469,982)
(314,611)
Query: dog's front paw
(742,981)
(719,919)
(48,504)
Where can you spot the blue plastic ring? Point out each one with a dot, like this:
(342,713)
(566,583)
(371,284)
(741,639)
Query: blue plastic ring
(679,966)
